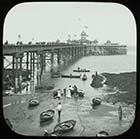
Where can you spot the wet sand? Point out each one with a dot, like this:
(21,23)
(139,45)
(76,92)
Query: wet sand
(89,121)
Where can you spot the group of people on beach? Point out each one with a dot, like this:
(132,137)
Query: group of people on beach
(66,92)
(72,90)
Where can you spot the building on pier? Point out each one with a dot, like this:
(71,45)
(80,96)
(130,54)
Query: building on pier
(95,48)
(82,40)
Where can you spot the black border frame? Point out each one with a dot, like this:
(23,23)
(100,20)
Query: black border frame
(132,5)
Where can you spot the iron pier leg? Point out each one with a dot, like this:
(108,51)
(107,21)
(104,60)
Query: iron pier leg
(64,57)
(13,69)
(16,75)
(31,66)
(58,58)
(52,62)
(41,65)
(33,57)
(20,75)
(44,60)
(27,61)
(38,70)
(31,73)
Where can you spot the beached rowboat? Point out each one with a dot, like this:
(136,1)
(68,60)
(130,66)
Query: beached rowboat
(64,126)
(96,101)
(47,115)
(33,102)
(102,134)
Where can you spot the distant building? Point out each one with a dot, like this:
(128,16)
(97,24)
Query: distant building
(108,48)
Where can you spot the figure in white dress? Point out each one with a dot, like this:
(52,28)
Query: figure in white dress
(59,93)
(69,92)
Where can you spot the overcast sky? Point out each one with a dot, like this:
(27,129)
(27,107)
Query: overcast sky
(51,21)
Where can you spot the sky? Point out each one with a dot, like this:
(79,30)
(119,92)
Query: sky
(49,21)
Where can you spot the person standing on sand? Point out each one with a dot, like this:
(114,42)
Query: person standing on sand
(64,92)
(59,93)
(96,73)
(69,92)
(59,109)
(120,113)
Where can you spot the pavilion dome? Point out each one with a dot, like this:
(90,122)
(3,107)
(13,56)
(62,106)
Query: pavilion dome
(83,33)
(108,41)
(95,41)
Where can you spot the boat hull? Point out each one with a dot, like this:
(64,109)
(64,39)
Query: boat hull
(64,126)
(56,75)
(102,134)
(47,115)
(33,103)
(96,101)
(84,78)
(70,76)
(81,70)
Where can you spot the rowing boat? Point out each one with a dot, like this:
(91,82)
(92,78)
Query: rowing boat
(81,70)
(70,76)
(47,115)
(33,102)
(65,126)
(96,101)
